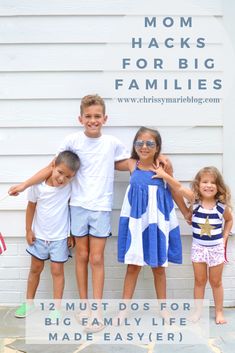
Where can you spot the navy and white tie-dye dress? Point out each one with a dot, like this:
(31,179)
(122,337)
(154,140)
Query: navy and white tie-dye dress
(148,228)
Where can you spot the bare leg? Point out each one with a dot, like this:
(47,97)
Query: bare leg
(96,258)
(215,278)
(57,272)
(95,247)
(82,256)
(200,280)
(34,277)
(159,275)
(132,273)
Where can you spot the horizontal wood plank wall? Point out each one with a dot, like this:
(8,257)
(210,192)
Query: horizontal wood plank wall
(107,7)
(64,112)
(53,53)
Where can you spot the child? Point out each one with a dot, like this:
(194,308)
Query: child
(148,229)
(211,222)
(47,227)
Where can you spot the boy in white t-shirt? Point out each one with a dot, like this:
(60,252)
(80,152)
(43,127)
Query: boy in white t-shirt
(48,227)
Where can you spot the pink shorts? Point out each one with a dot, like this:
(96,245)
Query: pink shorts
(211,255)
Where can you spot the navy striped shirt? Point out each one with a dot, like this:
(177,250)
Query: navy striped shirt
(208,224)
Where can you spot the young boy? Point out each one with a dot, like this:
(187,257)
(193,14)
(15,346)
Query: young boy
(47,227)
(91,201)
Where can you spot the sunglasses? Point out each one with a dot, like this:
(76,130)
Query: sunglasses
(141,143)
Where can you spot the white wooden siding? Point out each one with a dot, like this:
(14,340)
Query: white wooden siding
(64,112)
(81,29)
(17,228)
(60,85)
(18,168)
(108,7)
(197,139)
(96,57)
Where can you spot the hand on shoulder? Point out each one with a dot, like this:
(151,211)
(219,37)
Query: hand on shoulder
(165,162)
(159,171)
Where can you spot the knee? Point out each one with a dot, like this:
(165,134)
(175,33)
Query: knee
(159,271)
(133,269)
(57,272)
(200,281)
(36,270)
(82,255)
(215,282)
(96,259)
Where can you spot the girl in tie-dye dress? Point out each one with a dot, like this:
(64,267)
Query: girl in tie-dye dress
(148,229)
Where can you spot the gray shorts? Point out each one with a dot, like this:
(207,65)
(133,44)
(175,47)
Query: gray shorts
(56,251)
(87,222)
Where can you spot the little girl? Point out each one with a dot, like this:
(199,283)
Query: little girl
(211,224)
(148,228)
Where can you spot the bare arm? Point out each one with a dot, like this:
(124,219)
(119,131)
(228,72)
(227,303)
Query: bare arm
(228,223)
(35,179)
(125,165)
(174,184)
(30,237)
(178,192)
(122,165)
(179,200)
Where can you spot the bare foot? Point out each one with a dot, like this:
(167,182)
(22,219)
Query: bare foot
(82,317)
(94,325)
(165,315)
(195,316)
(219,318)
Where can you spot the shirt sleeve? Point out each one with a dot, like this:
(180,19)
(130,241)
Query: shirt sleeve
(120,151)
(66,145)
(33,194)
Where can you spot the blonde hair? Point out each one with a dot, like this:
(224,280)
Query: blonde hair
(91,99)
(223,193)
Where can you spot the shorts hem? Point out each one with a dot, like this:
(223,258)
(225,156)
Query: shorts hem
(79,236)
(92,235)
(204,262)
(60,262)
(101,236)
(48,258)
(36,257)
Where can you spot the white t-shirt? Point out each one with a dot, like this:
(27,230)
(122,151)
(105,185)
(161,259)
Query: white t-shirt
(51,218)
(92,187)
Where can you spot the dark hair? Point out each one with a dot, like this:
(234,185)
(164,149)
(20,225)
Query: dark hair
(70,159)
(91,99)
(156,136)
